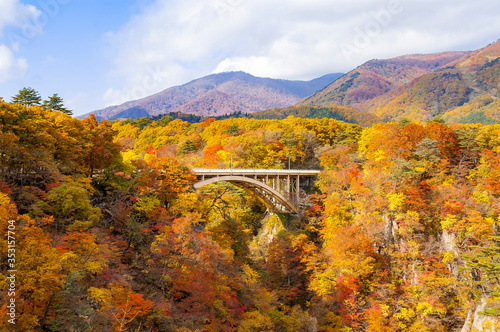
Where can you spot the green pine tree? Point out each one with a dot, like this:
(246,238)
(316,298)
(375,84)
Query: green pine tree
(27,97)
(56,103)
(186,148)
(233,130)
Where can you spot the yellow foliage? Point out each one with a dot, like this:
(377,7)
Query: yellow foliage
(449,222)
(99,294)
(186,203)
(39,275)
(129,157)
(4,199)
(367,135)
(404,315)
(396,200)
(147,204)
(447,256)
(255,321)
(386,310)
(149,159)
(125,130)
(323,283)
(448,181)
(250,275)
(84,254)
(379,155)
(224,156)
(481,197)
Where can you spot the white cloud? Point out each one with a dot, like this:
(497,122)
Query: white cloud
(294,39)
(14,13)
(20,21)
(10,66)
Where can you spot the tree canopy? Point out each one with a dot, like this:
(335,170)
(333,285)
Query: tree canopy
(398,233)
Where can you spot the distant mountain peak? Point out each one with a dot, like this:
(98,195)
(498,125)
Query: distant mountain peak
(219,94)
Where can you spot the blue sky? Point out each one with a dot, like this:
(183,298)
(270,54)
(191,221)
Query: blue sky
(96,53)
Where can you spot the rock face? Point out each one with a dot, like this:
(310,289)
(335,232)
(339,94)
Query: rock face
(220,94)
(477,321)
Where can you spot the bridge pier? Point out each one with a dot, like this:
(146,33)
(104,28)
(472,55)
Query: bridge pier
(298,188)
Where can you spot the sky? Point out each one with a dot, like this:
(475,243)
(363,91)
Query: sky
(98,53)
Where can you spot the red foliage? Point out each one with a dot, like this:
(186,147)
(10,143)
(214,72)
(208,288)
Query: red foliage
(210,157)
(4,188)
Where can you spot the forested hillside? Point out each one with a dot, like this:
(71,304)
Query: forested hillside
(345,114)
(399,233)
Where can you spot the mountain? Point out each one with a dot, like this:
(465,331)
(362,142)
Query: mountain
(378,77)
(220,94)
(459,87)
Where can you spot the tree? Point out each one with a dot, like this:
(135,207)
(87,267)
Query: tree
(104,151)
(186,148)
(70,206)
(233,130)
(56,103)
(40,277)
(211,157)
(121,304)
(164,178)
(198,276)
(27,97)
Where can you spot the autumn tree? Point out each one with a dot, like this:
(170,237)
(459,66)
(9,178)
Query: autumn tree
(165,178)
(197,280)
(120,304)
(70,206)
(40,277)
(103,150)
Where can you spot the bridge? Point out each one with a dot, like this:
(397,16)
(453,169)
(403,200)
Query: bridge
(277,189)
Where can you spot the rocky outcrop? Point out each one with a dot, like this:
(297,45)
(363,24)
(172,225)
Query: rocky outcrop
(479,320)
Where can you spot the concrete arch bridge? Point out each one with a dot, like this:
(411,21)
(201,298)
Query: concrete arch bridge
(277,189)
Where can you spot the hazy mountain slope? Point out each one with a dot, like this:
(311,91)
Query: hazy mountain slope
(219,94)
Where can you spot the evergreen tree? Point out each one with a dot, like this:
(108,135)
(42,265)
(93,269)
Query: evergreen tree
(27,97)
(56,103)
(233,130)
(186,148)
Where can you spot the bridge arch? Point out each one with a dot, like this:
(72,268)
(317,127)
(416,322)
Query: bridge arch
(267,195)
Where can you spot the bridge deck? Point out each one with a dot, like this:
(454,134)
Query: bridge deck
(259,172)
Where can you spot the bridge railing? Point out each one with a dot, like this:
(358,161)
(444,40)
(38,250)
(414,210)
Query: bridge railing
(254,171)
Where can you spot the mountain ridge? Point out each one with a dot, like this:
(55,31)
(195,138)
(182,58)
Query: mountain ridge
(377,77)
(460,86)
(219,94)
